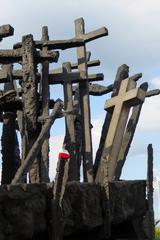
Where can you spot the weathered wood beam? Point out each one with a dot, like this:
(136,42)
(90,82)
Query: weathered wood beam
(153,92)
(99,90)
(150,190)
(84,106)
(32,153)
(74,77)
(30,102)
(70,139)
(101,32)
(92,63)
(12,56)
(6,31)
(78,125)
(122,73)
(128,135)
(45,93)
(70,43)
(55,44)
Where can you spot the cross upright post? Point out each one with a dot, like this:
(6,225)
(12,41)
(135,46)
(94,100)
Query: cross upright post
(44,86)
(85,107)
(84,96)
(70,140)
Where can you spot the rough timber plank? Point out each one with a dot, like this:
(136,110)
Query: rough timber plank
(30,101)
(122,73)
(84,106)
(45,110)
(32,153)
(128,136)
(70,140)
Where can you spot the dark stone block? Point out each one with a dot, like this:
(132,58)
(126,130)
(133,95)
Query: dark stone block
(25,210)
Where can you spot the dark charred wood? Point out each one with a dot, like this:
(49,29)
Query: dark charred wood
(30,103)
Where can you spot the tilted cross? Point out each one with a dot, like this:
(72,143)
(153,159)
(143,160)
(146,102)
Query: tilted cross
(128,96)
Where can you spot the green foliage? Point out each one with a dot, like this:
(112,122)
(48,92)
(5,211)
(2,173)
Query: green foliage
(157,233)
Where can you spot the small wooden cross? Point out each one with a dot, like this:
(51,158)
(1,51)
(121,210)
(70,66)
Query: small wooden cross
(128,96)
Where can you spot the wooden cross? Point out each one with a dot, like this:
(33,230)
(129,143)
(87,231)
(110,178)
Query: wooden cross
(84,101)
(121,104)
(69,43)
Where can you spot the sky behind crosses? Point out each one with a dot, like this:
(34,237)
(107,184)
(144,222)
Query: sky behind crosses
(134,39)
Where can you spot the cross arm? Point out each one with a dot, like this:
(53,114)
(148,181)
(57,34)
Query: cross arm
(79,23)
(132,97)
(99,90)
(6,31)
(153,93)
(93,63)
(12,56)
(101,32)
(69,43)
(56,44)
(74,77)
(135,96)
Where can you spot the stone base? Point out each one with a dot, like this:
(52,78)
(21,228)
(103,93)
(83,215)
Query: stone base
(25,209)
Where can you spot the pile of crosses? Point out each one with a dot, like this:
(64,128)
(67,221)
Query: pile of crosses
(25,105)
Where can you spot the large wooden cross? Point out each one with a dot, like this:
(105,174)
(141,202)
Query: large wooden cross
(84,100)
(128,96)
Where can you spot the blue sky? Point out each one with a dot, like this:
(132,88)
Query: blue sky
(134,39)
